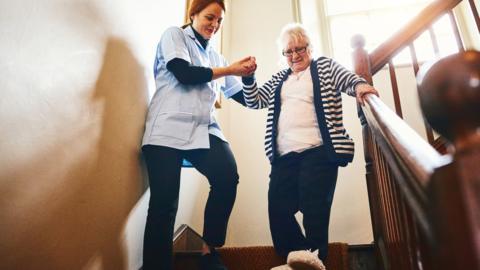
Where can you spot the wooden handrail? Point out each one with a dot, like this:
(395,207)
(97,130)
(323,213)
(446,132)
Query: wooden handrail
(413,150)
(411,159)
(380,56)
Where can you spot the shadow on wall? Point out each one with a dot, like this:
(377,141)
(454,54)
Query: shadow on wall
(78,221)
(122,90)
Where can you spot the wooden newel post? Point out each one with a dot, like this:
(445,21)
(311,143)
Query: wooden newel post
(361,60)
(361,63)
(449,93)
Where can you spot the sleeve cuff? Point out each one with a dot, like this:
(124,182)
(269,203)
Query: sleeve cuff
(354,85)
(232,90)
(249,80)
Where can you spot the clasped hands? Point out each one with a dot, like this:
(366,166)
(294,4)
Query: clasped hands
(244,67)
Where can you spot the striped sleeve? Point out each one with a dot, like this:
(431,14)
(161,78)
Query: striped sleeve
(345,80)
(260,97)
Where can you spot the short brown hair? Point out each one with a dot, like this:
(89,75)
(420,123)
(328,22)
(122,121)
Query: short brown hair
(198,5)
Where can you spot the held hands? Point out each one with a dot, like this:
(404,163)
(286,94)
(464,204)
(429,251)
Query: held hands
(244,67)
(362,90)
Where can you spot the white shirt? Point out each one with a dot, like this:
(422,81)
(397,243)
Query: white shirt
(297,124)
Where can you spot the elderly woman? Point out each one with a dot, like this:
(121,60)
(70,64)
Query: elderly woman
(306,142)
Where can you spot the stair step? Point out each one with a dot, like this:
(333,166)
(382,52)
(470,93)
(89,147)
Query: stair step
(188,243)
(362,257)
(258,258)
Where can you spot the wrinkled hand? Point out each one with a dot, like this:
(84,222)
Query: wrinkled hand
(362,90)
(244,67)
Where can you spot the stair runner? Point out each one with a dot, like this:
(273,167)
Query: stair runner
(260,258)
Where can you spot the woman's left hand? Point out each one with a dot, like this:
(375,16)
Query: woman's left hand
(362,90)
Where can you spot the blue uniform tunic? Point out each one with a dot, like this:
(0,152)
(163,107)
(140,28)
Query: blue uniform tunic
(182,116)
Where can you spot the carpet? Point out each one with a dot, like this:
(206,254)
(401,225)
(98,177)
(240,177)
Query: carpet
(264,257)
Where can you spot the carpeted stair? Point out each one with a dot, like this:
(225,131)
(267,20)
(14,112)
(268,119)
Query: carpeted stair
(260,258)
(264,257)
(188,243)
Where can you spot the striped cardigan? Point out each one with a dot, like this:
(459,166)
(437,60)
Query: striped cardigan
(329,80)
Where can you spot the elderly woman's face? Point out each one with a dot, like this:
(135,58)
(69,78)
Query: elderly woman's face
(298,55)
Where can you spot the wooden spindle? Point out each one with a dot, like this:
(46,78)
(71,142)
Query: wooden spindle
(475,14)
(413,54)
(409,228)
(399,237)
(433,38)
(384,230)
(388,212)
(456,32)
(396,95)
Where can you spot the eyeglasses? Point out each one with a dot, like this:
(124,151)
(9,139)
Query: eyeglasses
(300,50)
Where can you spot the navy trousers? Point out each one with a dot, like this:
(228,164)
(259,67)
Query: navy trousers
(164,165)
(302,182)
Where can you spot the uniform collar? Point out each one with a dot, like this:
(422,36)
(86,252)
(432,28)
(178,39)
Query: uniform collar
(190,32)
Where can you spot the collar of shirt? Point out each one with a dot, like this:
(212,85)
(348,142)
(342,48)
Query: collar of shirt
(194,35)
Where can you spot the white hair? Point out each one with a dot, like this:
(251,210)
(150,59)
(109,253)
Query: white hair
(295,32)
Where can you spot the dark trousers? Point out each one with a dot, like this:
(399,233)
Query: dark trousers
(164,165)
(302,182)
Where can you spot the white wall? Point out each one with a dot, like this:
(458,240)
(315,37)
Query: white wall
(75,77)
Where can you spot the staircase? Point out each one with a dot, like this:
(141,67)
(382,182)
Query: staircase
(188,243)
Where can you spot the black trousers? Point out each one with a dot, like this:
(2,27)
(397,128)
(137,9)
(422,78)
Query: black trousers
(164,166)
(302,182)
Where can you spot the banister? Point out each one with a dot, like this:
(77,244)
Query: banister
(424,205)
(440,191)
(381,55)
(409,156)
(417,154)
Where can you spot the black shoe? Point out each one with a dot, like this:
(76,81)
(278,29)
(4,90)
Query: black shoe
(211,261)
